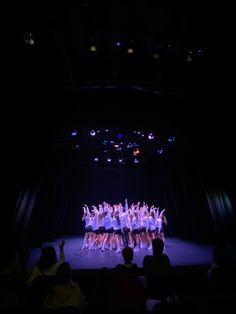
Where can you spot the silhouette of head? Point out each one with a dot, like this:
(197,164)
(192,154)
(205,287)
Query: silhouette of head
(157,246)
(128,254)
(48,258)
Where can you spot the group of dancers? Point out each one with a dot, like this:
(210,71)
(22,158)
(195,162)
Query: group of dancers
(112,227)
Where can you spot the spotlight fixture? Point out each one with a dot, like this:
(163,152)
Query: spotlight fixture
(189,58)
(119,135)
(171,139)
(200,52)
(92,132)
(136,151)
(156,56)
(93,48)
(74,133)
(119,147)
(28,39)
(130,50)
(150,136)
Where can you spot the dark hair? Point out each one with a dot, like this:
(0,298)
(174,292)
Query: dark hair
(117,217)
(48,258)
(157,246)
(128,254)
(63,274)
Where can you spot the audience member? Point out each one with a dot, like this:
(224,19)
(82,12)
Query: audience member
(128,266)
(48,263)
(65,293)
(158,272)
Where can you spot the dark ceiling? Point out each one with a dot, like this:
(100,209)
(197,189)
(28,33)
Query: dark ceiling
(175,48)
(59,82)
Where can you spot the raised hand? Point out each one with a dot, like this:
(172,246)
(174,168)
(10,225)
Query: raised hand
(61,244)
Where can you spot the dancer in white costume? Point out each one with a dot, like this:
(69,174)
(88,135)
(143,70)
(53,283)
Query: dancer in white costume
(117,226)
(162,223)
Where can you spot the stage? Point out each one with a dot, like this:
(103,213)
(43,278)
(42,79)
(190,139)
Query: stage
(181,253)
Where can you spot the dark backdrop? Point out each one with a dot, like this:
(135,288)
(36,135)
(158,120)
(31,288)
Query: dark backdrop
(46,188)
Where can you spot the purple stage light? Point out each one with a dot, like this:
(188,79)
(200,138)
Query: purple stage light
(74,133)
(92,133)
(171,139)
(151,136)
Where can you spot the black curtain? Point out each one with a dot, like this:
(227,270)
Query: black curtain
(66,186)
(184,182)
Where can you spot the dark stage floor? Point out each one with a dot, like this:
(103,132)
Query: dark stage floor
(181,253)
